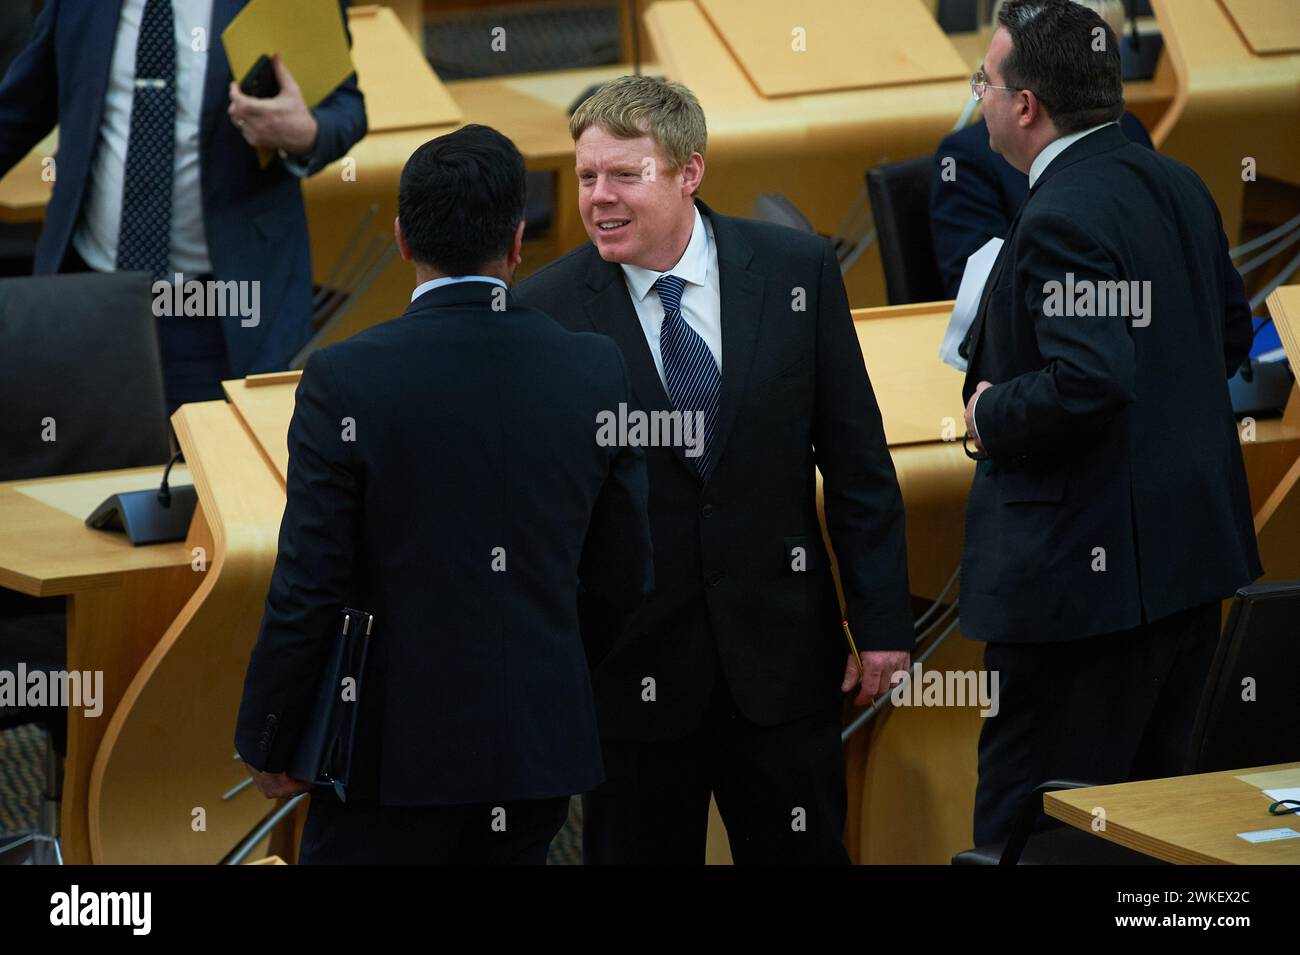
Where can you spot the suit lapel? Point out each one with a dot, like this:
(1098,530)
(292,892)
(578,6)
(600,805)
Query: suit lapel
(98,61)
(1103,140)
(217,77)
(741,299)
(995,276)
(611,313)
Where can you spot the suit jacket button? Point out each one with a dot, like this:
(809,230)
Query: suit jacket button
(716,579)
(707,510)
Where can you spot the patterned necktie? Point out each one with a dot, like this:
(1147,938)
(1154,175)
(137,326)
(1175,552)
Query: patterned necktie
(689,370)
(145,237)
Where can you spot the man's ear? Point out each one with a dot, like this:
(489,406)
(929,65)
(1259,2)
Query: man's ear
(692,174)
(1028,108)
(516,248)
(402,247)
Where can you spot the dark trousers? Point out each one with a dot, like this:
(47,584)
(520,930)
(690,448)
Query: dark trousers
(780,790)
(193,350)
(1104,709)
(507,833)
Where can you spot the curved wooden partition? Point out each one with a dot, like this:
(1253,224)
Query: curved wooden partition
(167,752)
(912,772)
(1229,103)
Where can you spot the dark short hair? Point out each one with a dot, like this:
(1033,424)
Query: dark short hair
(1053,55)
(461,199)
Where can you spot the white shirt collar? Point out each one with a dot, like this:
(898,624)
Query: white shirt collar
(432,284)
(692,267)
(1055,148)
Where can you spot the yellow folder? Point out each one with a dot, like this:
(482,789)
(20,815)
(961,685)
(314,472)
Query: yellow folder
(308,35)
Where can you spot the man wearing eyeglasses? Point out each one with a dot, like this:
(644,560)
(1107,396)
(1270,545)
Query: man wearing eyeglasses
(1108,515)
(974,192)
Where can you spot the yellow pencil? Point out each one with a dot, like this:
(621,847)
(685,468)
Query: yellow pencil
(852,646)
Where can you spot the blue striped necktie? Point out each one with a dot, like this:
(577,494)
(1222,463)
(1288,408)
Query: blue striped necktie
(689,369)
(144,241)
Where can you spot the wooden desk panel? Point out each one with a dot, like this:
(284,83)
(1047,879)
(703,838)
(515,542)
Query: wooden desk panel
(1229,104)
(264,403)
(46,551)
(919,396)
(817,47)
(1268,26)
(120,600)
(401,89)
(26,189)
(167,749)
(1187,820)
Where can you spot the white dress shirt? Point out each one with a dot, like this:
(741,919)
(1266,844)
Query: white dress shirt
(1036,169)
(701,298)
(432,284)
(1055,148)
(96,235)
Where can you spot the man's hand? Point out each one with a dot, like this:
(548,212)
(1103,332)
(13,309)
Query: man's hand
(970,417)
(282,121)
(884,669)
(275,785)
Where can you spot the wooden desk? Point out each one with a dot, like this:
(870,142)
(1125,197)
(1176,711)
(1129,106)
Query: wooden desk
(25,191)
(1187,820)
(120,599)
(1229,102)
(165,761)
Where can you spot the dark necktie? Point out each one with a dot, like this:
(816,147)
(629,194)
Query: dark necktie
(691,374)
(145,237)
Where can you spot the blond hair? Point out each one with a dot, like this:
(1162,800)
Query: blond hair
(633,106)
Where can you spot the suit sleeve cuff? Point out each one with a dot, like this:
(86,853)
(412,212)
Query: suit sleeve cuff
(299,167)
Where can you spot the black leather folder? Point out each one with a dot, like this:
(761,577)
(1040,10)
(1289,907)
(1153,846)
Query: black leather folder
(324,755)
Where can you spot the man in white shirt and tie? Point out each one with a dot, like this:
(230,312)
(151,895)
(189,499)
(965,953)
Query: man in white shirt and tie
(157,171)
(728,680)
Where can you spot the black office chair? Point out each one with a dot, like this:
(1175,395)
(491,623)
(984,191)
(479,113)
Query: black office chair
(82,390)
(18,247)
(1261,643)
(80,375)
(900,203)
(1055,844)
(958,16)
(1233,730)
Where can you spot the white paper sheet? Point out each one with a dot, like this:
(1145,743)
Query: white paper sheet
(978,267)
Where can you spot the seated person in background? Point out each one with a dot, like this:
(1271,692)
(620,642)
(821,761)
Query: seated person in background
(978,200)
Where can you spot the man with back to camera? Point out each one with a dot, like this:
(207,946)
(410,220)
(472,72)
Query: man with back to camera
(1109,515)
(728,679)
(445,475)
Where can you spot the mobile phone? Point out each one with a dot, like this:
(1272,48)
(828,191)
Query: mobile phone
(260,81)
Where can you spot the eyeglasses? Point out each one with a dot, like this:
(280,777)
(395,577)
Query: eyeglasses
(979,82)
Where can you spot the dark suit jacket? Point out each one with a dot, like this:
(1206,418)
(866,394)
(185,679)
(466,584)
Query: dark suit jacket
(1108,441)
(985,196)
(795,397)
(255,220)
(475,430)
